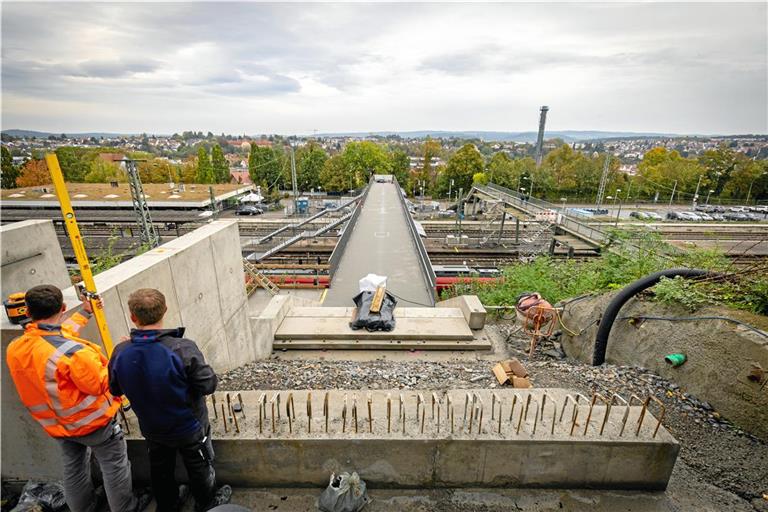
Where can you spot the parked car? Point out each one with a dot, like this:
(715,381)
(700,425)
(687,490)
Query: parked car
(737,209)
(673,216)
(688,216)
(717,216)
(704,216)
(654,216)
(248,209)
(735,216)
(639,215)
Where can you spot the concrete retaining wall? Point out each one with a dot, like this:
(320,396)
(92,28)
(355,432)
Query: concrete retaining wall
(201,276)
(719,354)
(31,256)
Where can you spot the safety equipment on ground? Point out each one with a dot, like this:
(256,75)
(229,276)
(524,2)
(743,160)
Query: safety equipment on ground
(69,406)
(39,496)
(383,320)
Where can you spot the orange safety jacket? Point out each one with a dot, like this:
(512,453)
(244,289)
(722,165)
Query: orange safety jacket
(62,379)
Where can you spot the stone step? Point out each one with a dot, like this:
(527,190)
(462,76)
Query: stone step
(437,328)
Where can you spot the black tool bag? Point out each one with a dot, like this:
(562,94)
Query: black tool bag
(384,320)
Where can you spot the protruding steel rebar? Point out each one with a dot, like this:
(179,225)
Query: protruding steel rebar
(237,426)
(494,398)
(554,415)
(618,397)
(354,411)
(481,406)
(434,401)
(224,417)
(290,414)
(309,413)
(520,420)
(451,418)
(423,415)
(389,413)
(240,401)
(661,416)
(535,418)
(420,403)
(595,397)
(278,406)
(326,411)
(344,415)
(262,411)
(229,406)
(512,410)
(215,412)
(527,404)
(543,404)
(272,404)
(640,419)
(467,398)
(370,414)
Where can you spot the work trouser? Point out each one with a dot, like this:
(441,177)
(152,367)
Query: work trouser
(108,446)
(197,455)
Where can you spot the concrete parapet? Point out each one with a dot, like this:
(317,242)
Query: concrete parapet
(470,306)
(31,256)
(478,438)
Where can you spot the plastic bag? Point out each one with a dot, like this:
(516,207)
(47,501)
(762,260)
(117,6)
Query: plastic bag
(41,497)
(345,493)
(384,320)
(370,282)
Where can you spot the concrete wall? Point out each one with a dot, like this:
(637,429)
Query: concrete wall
(201,275)
(719,354)
(31,256)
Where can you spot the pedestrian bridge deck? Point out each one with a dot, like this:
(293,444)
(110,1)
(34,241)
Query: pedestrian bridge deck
(381,243)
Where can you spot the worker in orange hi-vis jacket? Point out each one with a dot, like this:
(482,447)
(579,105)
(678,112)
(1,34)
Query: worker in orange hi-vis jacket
(63,382)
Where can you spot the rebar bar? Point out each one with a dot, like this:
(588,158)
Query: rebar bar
(224,417)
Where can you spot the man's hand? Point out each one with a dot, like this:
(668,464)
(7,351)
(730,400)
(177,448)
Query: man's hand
(87,306)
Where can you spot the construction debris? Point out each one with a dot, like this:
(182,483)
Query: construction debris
(512,371)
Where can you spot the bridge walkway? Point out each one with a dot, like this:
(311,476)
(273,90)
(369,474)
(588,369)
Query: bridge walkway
(381,243)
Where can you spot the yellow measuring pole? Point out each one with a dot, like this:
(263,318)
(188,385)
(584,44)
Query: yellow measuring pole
(77,244)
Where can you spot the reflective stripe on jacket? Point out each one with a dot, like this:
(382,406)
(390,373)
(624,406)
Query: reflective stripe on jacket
(62,379)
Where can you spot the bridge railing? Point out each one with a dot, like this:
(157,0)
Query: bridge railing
(338,251)
(539,205)
(426,265)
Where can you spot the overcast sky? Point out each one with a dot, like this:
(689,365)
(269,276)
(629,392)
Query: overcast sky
(296,68)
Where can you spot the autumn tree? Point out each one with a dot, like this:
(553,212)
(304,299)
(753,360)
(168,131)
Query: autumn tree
(501,170)
(362,159)
(265,164)
(663,171)
(401,166)
(8,172)
(336,176)
(33,174)
(159,170)
(461,167)
(102,171)
(310,160)
(204,168)
(219,165)
(719,164)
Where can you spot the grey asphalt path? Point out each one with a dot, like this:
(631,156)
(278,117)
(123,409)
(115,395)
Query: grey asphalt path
(381,244)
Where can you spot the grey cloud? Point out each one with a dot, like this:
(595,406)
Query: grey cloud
(118,68)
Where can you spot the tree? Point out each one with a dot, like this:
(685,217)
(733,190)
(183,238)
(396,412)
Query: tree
(719,164)
(427,174)
(219,165)
(501,170)
(8,172)
(103,172)
(479,178)
(461,167)
(336,176)
(663,171)
(204,168)
(310,160)
(75,163)
(265,164)
(33,174)
(365,158)
(747,174)
(401,166)
(158,170)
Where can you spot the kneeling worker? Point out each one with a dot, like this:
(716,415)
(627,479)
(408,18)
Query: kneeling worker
(166,379)
(63,382)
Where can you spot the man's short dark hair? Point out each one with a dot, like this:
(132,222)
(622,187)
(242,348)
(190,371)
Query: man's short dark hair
(147,305)
(43,301)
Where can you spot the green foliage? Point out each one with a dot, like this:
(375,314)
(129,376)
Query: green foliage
(310,160)
(266,164)
(8,171)
(102,171)
(401,166)
(335,176)
(557,280)
(362,159)
(461,167)
(479,178)
(204,168)
(219,165)
(664,171)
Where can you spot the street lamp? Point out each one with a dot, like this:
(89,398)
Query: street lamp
(749,192)
(450,189)
(708,194)
(563,200)
(618,214)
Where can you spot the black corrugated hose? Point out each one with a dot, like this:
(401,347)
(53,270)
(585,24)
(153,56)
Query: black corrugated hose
(626,293)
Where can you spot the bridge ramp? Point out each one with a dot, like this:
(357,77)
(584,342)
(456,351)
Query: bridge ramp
(381,243)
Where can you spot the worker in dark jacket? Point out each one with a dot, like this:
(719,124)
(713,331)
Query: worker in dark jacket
(166,378)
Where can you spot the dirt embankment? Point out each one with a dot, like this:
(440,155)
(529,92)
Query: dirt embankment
(723,359)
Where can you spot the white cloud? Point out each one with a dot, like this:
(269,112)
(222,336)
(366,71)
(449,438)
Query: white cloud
(294,68)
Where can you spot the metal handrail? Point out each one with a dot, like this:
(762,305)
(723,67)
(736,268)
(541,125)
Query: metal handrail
(338,251)
(426,264)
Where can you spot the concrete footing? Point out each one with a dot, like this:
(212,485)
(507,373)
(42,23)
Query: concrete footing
(519,438)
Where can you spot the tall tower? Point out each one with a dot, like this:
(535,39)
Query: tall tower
(540,139)
(148,233)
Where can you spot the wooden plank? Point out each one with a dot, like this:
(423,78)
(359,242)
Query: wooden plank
(435,329)
(378,298)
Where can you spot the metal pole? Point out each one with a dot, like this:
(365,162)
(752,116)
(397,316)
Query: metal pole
(213,203)
(293,179)
(517,230)
(501,229)
(617,215)
(696,194)
(460,209)
(708,194)
(673,194)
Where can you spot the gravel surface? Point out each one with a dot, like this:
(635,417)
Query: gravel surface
(713,450)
